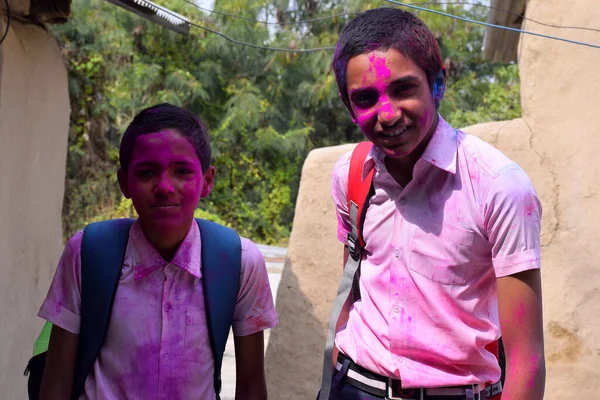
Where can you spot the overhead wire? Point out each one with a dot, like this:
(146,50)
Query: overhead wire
(256,46)
(413,6)
(307,21)
(457,17)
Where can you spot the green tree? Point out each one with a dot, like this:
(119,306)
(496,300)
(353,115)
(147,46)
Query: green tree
(266,110)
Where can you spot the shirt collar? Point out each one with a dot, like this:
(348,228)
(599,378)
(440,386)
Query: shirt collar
(146,259)
(443,146)
(440,151)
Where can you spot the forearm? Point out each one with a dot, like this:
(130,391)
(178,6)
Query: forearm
(525,377)
(255,391)
(250,383)
(57,381)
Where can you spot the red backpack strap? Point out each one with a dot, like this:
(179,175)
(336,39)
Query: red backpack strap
(359,191)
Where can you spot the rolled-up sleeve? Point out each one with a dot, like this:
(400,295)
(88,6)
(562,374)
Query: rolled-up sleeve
(254,309)
(512,217)
(62,305)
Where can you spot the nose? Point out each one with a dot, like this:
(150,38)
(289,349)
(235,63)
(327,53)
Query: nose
(164,185)
(387,114)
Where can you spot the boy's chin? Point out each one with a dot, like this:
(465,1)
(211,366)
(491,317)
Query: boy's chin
(166,223)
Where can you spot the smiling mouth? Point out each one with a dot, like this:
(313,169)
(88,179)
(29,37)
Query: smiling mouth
(165,206)
(394,132)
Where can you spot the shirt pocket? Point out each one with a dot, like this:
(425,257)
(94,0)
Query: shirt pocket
(196,347)
(441,252)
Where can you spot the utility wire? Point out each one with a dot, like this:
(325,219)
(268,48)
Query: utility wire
(307,21)
(7,22)
(281,49)
(493,25)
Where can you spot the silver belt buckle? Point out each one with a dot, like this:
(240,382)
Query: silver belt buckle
(390,394)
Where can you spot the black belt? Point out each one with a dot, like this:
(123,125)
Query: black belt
(379,385)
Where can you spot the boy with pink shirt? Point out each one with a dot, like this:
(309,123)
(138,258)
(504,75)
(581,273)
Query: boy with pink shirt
(452,234)
(157,343)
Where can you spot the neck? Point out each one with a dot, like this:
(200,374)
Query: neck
(165,241)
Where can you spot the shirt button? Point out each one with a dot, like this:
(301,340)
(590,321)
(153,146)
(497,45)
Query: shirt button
(402,201)
(396,253)
(396,308)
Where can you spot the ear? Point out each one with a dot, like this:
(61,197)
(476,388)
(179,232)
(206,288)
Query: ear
(123,182)
(348,107)
(439,85)
(209,179)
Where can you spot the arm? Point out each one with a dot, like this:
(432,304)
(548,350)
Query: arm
(521,322)
(250,369)
(57,382)
(513,216)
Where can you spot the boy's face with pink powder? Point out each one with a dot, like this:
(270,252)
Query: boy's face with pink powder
(165,181)
(391,100)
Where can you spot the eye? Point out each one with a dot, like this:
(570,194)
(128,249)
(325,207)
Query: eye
(183,171)
(403,90)
(364,100)
(143,173)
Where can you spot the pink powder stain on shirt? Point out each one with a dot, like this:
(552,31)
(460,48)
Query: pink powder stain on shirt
(530,208)
(144,363)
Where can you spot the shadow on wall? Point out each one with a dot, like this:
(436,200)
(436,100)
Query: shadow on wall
(284,363)
(313,268)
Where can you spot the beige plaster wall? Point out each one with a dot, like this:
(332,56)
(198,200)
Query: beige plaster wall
(34,123)
(560,104)
(308,285)
(557,142)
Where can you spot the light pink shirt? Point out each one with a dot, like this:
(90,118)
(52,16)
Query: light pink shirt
(157,344)
(434,249)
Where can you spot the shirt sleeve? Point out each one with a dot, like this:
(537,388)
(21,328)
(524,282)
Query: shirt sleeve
(62,305)
(512,217)
(339,190)
(255,309)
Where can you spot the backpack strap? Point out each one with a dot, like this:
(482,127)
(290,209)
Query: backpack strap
(359,192)
(102,253)
(221,267)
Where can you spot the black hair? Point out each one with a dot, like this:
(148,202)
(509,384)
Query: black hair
(167,116)
(386,28)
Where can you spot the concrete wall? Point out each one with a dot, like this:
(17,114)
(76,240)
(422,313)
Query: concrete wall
(34,123)
(557,143)
(560,105)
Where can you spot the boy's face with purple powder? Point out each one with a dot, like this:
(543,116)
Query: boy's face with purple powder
(165,180)
(391,100)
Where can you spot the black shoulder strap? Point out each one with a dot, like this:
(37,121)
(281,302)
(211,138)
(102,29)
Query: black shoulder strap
(102,253)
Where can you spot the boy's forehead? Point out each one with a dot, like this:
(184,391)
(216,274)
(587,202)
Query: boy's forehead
(163,146)
(379,67)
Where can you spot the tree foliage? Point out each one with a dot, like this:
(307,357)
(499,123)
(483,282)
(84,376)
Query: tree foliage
(266,110)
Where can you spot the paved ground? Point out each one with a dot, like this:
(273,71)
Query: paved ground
(275,258)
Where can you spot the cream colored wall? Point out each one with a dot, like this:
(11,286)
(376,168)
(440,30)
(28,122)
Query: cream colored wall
(557,142)
(560,104)
(34,123)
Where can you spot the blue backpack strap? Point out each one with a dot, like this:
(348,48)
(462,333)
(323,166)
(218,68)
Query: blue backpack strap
(102,254)
(221,267)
